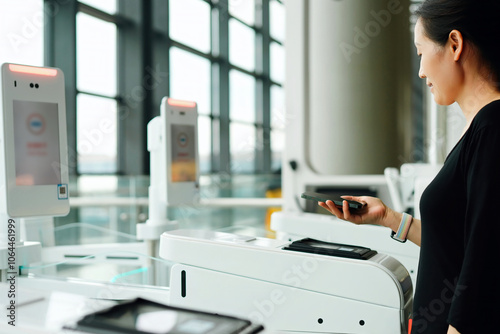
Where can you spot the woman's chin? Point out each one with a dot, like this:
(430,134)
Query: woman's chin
(442,101)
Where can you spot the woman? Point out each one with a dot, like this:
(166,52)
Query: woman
(456,290)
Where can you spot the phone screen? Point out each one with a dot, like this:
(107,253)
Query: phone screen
(319,197)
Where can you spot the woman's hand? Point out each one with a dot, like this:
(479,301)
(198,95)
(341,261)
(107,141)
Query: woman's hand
(373,212)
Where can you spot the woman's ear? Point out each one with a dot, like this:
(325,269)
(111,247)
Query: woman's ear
(456,44)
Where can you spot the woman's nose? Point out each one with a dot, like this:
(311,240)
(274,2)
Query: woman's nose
(421,73)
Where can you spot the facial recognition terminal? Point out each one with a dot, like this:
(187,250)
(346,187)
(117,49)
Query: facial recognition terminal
(33,156)
(174,175)
(33,150)
(179,121)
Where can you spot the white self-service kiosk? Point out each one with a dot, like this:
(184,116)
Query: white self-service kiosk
(173,147)
(33,157)
(302,286)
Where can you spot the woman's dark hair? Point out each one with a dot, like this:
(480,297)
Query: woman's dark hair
(477,20)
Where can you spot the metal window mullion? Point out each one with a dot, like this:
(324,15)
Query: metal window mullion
(135,98)
(161,52)
(263,88)
(189,49)
(147,62)
(220,88)
(60,51)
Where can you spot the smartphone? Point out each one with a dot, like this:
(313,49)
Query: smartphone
(353,205)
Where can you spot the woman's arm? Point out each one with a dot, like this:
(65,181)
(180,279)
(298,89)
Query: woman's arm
(452,330)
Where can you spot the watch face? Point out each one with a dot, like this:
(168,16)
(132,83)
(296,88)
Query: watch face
(393,235)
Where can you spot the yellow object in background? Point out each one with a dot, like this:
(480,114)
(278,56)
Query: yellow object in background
(272,193)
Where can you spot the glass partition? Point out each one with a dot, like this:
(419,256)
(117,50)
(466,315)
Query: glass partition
(97,241)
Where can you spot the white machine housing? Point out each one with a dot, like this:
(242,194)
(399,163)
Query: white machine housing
(33,97)
(255,278)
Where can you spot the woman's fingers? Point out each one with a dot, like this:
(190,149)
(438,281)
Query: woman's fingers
(345,209)
(333,209)
(372,212)
(324,206)
(343,213)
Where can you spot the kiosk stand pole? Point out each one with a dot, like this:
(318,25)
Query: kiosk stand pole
(157,222)
(13,251)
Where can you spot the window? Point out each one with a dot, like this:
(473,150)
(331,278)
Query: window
(241,97)
(243,10)
(96,108)
(277,55)
(243,144)
(96,55)
(190,23)
(242,117)
(277,20)
(241,45)
(96,137)
(226,55)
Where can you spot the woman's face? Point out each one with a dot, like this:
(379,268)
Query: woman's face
(438,67)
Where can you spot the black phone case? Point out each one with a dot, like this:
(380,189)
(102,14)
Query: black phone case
(324,197)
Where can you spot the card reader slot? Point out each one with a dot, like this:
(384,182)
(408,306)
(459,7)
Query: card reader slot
(313,246)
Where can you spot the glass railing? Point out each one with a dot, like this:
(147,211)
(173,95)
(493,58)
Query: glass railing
(97,240)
